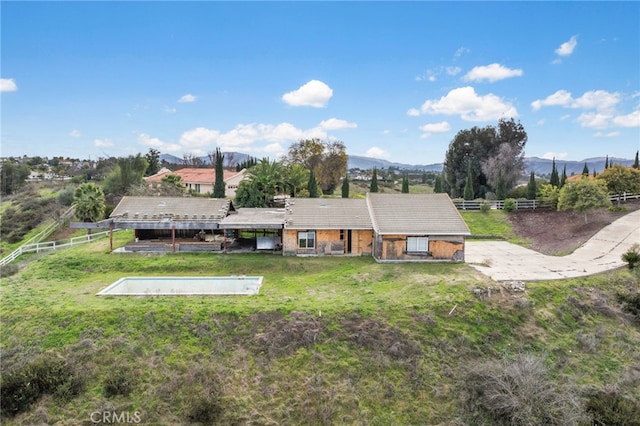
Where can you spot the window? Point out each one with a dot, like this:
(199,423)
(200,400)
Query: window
(417,244)
(307,239)
(342,235)
(198,188)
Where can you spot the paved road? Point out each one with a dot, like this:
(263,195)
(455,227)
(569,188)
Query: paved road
(503,261)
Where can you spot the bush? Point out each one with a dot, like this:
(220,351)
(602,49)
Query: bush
(485,206)
(47,374)
(608,407)
(509,205)
(632,256)
(119,382)
(518,392)
(8,270)
(205,409)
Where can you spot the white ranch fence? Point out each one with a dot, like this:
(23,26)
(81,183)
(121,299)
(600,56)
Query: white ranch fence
(525,204)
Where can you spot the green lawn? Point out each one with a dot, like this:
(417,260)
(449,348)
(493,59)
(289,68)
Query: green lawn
(329,340)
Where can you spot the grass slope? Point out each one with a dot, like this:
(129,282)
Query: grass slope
(327,340)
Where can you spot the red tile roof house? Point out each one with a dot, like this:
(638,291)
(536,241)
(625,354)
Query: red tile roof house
(201,180)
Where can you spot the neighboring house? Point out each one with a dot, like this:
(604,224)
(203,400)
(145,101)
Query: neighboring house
(315,226)
(416,227)
(201,180)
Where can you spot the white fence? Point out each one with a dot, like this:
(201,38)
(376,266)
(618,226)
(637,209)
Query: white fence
(525,204)
(52,245)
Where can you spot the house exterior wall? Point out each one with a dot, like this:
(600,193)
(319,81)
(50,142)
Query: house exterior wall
(389,248)
(328,242)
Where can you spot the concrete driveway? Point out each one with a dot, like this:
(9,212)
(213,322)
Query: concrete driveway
(503,261)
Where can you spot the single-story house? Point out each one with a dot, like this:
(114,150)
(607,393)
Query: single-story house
(389,227)
(416,227)
(201,180)
(315,226)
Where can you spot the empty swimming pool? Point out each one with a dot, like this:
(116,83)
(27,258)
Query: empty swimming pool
(183,286)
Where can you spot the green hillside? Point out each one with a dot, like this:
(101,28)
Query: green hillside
(327,341)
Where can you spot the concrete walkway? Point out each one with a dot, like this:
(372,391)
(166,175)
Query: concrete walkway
(503,261)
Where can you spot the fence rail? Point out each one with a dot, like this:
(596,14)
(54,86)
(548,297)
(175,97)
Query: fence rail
(525,204)
(52,245)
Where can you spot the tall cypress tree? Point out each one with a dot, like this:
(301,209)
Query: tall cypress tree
(312,185)
(554,180)
(585,169)
(563,179)
(468,187)
(345,187)
(437,186)
(532,188)
(606,162)
(218,185)
(636,164)
(374,181)
(405,185)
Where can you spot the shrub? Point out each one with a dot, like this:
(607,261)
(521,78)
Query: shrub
(119,382)
(518,392)
(632,256)
(8,270)
(509,205)
(47,374)
(608,407)
(485,206)
(204,409)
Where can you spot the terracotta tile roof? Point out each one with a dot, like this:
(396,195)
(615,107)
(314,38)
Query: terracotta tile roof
(415,214)
(192,175)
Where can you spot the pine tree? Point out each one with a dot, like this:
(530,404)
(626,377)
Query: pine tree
(218,185)
(345,187)
(405,185)
(585,170)
(554,180)
(374,181)
(594,173)
(312,185)
(468,187)
(563,179)
(636,164)
(532,188)
(606,162)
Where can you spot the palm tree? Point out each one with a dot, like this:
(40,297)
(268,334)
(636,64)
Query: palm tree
(88,199)
(296,178)
(267,177)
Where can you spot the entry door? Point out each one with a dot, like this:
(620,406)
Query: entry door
(349,241)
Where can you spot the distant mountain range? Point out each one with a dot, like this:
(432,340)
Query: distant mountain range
(540,166)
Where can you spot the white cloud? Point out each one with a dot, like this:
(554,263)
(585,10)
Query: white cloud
(375,152)
(274,148)
(102,143)
(170,110)
(491,73)
(561,97)
(606,135)
(600,100)
(74,133)
(540,122)
(453,70)
(461,51)
(594,120)
(629,120)
(596,99)
(466,103)
(556,155)
(188,98)
(8,85)
(386,132)
(413,112)
(431,128)
(315,93)
(567,47)
(199,137)
(162,146)
(336,124)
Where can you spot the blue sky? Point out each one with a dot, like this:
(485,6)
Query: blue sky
(392,80)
